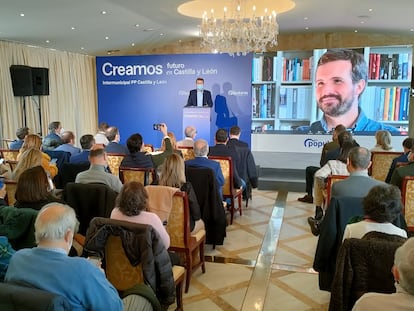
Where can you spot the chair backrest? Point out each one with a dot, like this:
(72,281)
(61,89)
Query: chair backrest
(187,152)
(133,253)
(381,163)
(9,155)
(88,201)
(17,224)
(211,204)
(407,192)
(144,175)
(331,180)
(119,270)
(178,225)
(11,186)
(12,164)
(19,297)
(363,265)
(60,156)
(226,166)
(67,173)
(114,162)
(7,142)
(160,199)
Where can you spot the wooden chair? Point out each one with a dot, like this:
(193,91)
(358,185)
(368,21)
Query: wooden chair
(11,186)
(7,142)
(331,180)
(181,239)
(12,165)
(407,192)
(229,191)
(114,162)
(120,271)
(144,175)
(9,155)
(187,152)
(381,163)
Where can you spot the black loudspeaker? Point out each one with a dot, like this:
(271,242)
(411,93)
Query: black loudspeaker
(22,80)
(40,78)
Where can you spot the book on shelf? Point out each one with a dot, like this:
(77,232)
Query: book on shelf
(263,101)
(263,68)
(389,66)
(296,69)
(293,102)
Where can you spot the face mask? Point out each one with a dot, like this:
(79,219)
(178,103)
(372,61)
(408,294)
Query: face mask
(200,87)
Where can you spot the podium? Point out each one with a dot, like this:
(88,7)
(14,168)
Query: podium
(200,118)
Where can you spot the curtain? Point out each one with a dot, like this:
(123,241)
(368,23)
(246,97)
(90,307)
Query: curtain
(72,88)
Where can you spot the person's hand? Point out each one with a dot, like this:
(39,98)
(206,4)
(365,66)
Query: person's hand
(3,192)
(163,129)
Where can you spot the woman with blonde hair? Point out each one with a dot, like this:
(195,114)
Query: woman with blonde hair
(34,141)
(30,158)
(383,138)
(173,175)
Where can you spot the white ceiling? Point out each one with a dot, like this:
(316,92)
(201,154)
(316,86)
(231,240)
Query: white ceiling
(52,20)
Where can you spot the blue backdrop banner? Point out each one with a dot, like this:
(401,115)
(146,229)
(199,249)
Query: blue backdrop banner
(134,92)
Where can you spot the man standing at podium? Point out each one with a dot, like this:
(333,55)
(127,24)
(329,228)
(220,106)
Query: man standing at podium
(199,97)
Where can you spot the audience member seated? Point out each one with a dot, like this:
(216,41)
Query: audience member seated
(33,189)
(221,150)
(244,163)
(403,271)
(357,184)
(173,141)
(21,133)
(383,139)
(158,157)
(173,175)
(407,144)
(311,170)
(48,266)
(131,204)
(34,141)
(30,158)
(332,167)
(201,160)
(136,157)
(52,140)
(114,137)
(382,206)
(86,142)
(97,171)
(68,140)
(402,171)
(190,133)
(100,137)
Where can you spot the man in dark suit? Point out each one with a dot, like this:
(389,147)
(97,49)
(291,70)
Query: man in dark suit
(245,164)
(199,97)
(407,145)
(221,150)
(112,133)
(201,160)
(86,142)
(402,171)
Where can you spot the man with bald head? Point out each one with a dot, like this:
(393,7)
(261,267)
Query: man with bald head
(188,141)
(202,161)
(97,171)
(48,266)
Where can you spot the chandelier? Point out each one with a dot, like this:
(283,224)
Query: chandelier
(243,27)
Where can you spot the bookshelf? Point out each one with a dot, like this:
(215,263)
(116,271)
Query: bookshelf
(387,96)
(283,94)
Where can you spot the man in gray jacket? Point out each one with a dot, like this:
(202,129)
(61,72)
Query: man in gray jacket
(358,184)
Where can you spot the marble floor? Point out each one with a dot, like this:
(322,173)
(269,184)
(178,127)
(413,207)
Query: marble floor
(265,262)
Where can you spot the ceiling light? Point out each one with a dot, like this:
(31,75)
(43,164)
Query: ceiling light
(133,44)
(137,25)
(22,14)
(244,26)
(106,38)
(47,41)
(82,48)
(73,28)
(103,12)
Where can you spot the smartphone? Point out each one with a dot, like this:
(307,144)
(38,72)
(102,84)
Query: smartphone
(156,126)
